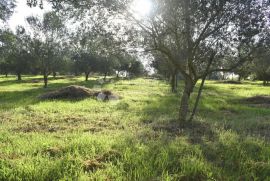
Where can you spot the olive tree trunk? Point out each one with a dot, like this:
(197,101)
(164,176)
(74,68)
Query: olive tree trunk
(45,79)
(87,76)
(105,75)
(19,76)
(173,86)
(174,82)
(184,104)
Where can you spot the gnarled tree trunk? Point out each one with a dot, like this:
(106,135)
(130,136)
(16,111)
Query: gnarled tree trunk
(184,105)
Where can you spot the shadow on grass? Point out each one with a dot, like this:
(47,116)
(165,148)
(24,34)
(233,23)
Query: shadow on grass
(217,106)
(28,80)
(212,154)
(230,154)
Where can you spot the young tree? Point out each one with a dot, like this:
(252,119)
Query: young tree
(166,69)
(47,36)
(136,68)
(19,56)
(6,10)
(86,63)
(6,40)
(261,64)
(243,71)
(124,62)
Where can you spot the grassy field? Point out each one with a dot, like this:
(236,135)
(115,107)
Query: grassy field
(135,138)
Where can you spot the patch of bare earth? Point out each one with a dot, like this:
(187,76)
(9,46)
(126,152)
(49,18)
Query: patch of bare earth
(99,161)
(227,111)
(258,101)
(103,125)
(12,156)
(52,151)
(38,127)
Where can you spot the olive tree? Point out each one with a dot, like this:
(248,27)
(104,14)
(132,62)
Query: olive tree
(197,37)
(47,33)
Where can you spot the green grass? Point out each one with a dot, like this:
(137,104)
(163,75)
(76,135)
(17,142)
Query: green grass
(134,138)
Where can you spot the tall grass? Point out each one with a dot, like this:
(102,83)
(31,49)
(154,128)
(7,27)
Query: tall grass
(134,138)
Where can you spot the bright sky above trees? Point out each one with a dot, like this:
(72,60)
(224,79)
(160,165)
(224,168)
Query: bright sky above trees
(22,11)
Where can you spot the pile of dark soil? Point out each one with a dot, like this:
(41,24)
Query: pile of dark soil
(70,92)
(79,92)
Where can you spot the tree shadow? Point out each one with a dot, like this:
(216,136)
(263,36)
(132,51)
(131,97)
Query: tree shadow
(231,154)
(217,107)
(14,99)
(28,80)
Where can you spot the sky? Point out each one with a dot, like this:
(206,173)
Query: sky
(141,8)
(22,11)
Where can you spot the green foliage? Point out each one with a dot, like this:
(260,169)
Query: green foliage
(6,9)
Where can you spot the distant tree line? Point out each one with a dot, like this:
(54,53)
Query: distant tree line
(45,50)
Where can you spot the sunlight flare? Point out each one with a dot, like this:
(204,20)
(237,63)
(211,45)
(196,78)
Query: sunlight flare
(142,7)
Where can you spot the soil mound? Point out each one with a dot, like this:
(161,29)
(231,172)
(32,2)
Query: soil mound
(71,92)
(79,92)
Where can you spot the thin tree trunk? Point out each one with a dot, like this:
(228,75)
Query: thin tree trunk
(87,76)
(6,75)
(176,81)
(45,78)
(105,75)
(197,100)
(184,105)
(173,89)
(264,82)
(19,76)
(54,74)
(201,87)
(239,78)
